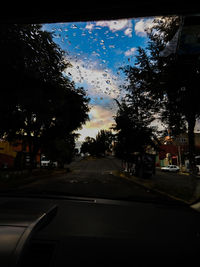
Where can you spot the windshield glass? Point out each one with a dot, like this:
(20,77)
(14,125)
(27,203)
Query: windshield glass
(97,108)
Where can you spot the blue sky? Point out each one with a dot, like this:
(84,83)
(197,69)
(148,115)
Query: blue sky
(96,51)
(111,41)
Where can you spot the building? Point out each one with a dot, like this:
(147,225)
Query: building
(13,153)
(7,155)
(175,150)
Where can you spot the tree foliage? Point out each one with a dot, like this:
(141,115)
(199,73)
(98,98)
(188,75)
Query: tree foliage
(89,146)
(181,75)
(168,84)
(99,145)
(60,150)
(39,103)
(133,131)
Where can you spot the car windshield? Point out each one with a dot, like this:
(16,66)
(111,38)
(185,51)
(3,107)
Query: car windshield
(97,108)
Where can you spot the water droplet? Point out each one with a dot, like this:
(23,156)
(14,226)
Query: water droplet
(74,26)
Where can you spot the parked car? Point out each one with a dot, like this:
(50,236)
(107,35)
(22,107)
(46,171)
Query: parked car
(47,163)
(170,168)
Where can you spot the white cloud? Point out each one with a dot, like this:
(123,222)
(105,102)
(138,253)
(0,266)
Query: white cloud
(114,25)
(142,25)
(99,82)
(101,118)
(130,52)
(128,32)
(89,26)
(102,87)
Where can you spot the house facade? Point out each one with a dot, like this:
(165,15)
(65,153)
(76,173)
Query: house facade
(175,150)
(13,153)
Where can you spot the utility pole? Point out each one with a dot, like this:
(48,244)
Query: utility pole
(179,156)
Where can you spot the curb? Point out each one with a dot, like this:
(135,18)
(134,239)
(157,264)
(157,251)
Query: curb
(182,173)
(133,179)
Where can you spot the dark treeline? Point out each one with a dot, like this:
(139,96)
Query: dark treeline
(162,85)
(99,145)
(40,106)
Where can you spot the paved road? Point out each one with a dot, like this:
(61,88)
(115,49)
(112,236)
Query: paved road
(93,178)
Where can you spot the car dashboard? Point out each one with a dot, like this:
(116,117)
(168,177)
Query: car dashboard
(61,231)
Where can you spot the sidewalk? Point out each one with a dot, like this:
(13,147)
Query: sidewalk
(17,180)
(182,187)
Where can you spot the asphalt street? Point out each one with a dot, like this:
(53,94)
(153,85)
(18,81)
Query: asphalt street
(92,177)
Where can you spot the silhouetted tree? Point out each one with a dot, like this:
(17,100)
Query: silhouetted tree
(168,82)
(103,140)
(88,146)
(179,81)
(99,145)
(60,150)
(38,101)
(133,131)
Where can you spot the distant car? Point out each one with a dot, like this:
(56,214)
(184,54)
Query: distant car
(47,163)
(170,168)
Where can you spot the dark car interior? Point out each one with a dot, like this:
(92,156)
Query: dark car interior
(72,231)
(63,231)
